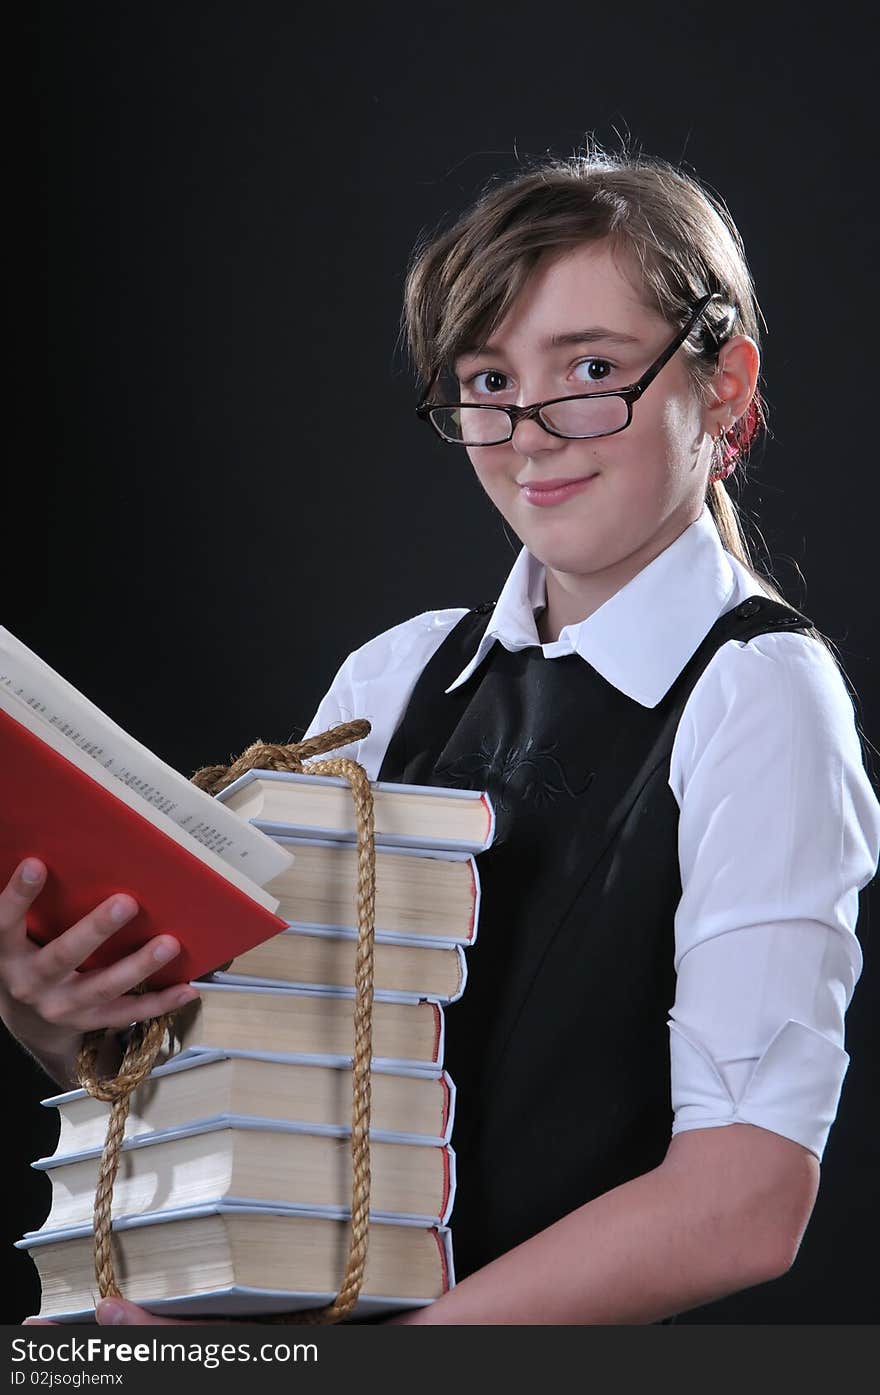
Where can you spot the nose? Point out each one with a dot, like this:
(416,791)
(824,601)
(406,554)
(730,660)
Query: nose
(530,439)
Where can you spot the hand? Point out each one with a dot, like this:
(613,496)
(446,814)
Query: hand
(46,1001)
(116,1312)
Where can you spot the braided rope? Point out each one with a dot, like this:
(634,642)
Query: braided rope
(141,1051)
(147,1037)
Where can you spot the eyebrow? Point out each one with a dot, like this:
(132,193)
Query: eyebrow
(596,334)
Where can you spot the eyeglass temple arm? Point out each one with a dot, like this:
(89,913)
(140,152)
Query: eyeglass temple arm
(422,408)
(638,388)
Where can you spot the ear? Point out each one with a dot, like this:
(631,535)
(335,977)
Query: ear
(733,384)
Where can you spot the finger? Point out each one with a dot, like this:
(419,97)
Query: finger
(68,950)
(108,984)
(118,1312)
(137,1007)
(17,897)
(39,1322)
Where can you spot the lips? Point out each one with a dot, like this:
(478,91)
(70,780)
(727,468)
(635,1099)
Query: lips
(542,486)
(547,494)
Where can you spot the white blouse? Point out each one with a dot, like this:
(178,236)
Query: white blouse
(779,826)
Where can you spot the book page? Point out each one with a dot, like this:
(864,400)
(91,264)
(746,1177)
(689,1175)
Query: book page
(24,676)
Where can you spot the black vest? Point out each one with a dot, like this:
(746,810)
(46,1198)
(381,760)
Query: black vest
(559,1046)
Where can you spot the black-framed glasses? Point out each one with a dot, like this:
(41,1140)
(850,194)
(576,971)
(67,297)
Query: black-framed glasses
(581,417)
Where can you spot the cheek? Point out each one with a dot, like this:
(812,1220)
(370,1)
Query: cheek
(491,465)
(681,428)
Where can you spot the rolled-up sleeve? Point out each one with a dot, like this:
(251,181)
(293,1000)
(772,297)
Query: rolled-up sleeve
(779,830)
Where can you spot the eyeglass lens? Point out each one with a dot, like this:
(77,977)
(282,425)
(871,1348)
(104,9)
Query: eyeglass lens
(487,426)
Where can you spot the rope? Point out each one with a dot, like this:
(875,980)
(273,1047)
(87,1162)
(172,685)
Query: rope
(147,1037)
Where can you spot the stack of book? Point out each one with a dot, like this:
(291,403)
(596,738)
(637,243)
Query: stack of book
(234,1186)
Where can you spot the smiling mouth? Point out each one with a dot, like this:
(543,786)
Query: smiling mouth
(548,486)
(550,494)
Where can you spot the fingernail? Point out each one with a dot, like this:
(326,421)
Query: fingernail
(110,1314)
(31,872)
(120,911)
(188,995)
(165,950)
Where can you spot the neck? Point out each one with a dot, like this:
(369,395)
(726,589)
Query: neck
(573,597)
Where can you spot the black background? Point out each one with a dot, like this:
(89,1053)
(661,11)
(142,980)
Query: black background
(222,488)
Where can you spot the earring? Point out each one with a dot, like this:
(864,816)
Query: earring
(725,469)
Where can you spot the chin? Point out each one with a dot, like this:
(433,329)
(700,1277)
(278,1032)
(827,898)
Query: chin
(573,558)
(566,540)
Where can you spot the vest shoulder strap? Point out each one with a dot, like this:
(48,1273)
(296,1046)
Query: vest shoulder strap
(757,615)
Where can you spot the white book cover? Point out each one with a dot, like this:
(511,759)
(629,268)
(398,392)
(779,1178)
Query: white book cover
(394,1065)
(237,1300)
(440,854)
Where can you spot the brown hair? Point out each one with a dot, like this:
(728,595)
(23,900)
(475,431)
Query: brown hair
(461,282)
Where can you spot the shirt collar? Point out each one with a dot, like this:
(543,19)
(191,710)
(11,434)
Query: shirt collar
(643,635)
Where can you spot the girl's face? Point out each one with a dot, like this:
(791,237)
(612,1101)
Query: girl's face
(646,484)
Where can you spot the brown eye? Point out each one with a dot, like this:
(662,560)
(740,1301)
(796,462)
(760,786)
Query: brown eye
(494,381)
(597,369)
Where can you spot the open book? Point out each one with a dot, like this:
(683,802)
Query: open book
(106,815)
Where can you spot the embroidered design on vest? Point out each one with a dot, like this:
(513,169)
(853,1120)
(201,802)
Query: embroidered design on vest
(521,774)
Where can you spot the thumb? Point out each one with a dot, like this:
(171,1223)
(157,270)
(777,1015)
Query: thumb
(118,1312)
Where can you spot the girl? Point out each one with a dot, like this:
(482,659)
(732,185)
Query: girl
(649,1051)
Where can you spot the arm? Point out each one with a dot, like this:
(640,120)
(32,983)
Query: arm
(778,829)
(725,1210)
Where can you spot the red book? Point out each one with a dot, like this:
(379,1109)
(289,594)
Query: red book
(97,837)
